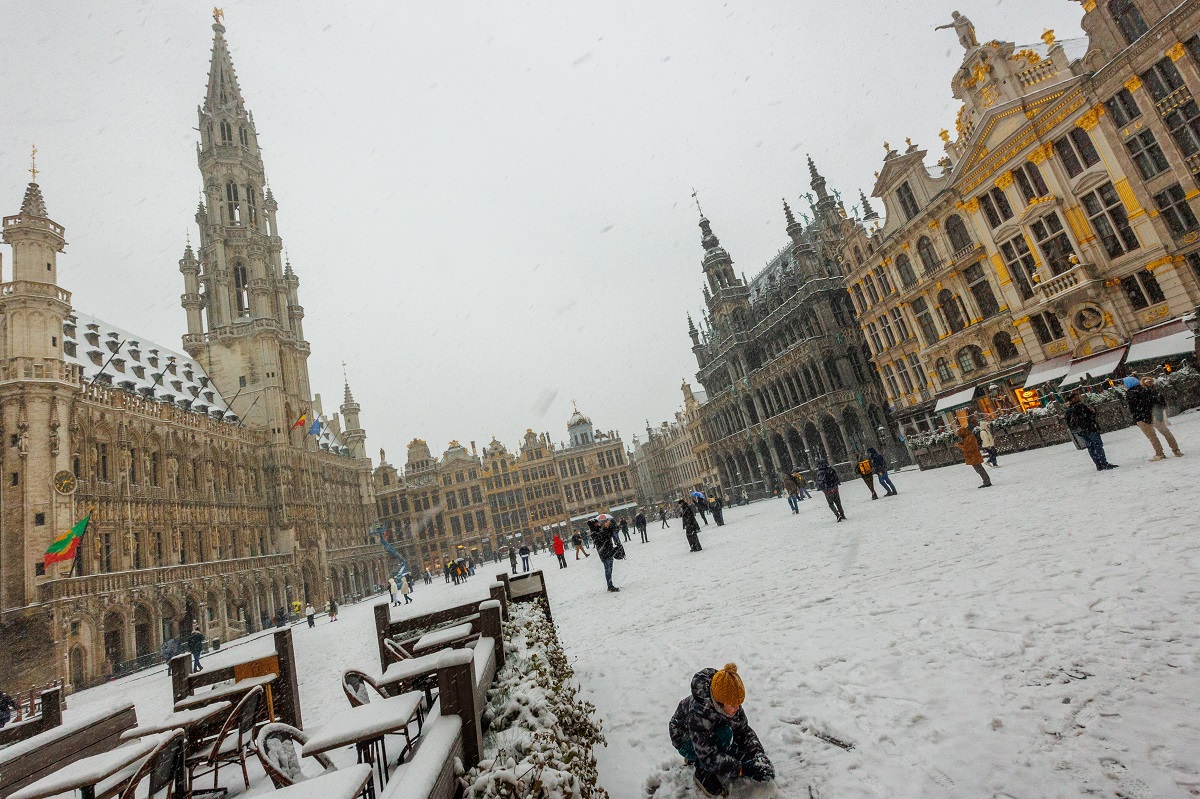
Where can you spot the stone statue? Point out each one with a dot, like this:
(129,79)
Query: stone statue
(965,30)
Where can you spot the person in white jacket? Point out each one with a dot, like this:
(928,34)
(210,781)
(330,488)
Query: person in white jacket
(405,588)
(987,442)
(392,590)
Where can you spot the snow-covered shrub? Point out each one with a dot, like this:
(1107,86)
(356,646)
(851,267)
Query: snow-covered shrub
(541,734)
(933,439)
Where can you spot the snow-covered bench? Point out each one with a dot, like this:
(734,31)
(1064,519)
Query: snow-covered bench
(93,733)
(429,773)
(49,716)
(528,587)
(275,671)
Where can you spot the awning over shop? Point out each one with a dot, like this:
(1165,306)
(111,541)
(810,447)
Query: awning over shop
(583,518)
(955,400)
(619,508)
(1094,366)
(1049,371)
(1161,342)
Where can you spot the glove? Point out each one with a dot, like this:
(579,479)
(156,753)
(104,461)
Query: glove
(759,770)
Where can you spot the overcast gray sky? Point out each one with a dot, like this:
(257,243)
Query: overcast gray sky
(488,204)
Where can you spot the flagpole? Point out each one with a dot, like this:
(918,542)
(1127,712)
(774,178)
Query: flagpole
(78,559)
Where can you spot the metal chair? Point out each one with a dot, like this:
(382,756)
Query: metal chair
(164,767)
(278,747)
(230,744)
(355,683)
(428,683)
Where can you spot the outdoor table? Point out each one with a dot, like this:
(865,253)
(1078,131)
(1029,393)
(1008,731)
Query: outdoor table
(344,783)
(83,775)
(231,692)
(403,670)
(364,726)
(440,637)
(179,720)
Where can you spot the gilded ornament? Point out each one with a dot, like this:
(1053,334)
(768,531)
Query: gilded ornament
(945,135)
(971,206)
(1048,37)
(1133,84)
(1004,181)
(1176,51)
(1092,118)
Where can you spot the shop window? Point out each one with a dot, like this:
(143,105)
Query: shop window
(1109,220)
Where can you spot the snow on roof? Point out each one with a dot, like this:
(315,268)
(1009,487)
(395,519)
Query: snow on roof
(115,357)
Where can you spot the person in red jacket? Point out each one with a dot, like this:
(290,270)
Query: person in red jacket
(560,551)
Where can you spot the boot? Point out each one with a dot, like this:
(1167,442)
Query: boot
(708,784)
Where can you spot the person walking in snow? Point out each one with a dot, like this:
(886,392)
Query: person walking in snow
(1149,410)
(987,442)
(702,508)
(879,466)
(867,474)
(828,484)
(168,650)
(691,528)
(793,497)
(624,528)
(512,558)
(524,553)
(662,514)
(195,644)
(333,609)
(8,709)
(639,521)
(606,548)
(392,591)
(405,588)
(718,509)
(710,730)
(801,486)
(1081,420)
(310,613)
(560,551)
(577,542)
(971,454)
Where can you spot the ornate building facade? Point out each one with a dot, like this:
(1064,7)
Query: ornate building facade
(1059,230)
(469,504)
(782,360)
(674,459)
(206,506)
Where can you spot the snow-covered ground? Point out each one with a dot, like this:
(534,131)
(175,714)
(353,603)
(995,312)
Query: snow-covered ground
(1035,639)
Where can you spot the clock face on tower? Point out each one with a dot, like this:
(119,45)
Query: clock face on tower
(65,482)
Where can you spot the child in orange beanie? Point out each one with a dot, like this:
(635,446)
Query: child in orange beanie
(710,730)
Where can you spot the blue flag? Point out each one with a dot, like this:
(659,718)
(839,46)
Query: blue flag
(315,430)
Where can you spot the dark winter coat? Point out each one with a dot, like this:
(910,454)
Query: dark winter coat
(639,521)
(195,642)
(8,707)
(523,552)
(689,518)
(1081,419)
(827,479)
(577,539)
(879,464)
(602,540)
(512,556)
(1141,401)
(698,720)
(624,525)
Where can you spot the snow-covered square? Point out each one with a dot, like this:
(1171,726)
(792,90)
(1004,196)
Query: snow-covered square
(1034,639)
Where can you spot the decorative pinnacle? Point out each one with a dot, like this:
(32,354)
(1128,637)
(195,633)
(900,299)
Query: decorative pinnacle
(787,212)
(868,211)
(812,169)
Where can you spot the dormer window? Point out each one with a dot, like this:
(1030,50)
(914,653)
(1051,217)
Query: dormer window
(69,348)
(96,357)
(140,371)
(68,330)
(908,201)
(92,339)
(1128,19)
(113,346)
(118,364)
(135,354)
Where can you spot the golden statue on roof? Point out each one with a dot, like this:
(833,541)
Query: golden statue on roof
(218,14)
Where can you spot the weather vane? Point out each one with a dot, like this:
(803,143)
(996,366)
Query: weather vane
(33,163)
(218,14)
(697,199)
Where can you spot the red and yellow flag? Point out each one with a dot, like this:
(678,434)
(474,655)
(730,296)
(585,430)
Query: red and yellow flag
(301,421)
(64,547)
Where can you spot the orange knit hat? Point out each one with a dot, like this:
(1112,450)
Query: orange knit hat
(727,687)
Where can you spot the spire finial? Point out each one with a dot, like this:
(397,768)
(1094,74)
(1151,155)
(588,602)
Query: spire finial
(697,201)
(218,14)
(787,212)
(33,170)
(187,235)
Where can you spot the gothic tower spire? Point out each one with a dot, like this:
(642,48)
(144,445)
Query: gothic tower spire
(244,313)
(354,435)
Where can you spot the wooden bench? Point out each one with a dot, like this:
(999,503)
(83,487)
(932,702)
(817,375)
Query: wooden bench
(49,715)
(276,672)
(93,733)
(429,773)
(528,587)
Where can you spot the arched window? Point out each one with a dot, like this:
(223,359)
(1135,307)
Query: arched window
(943,371)
(951,310)
(226,133)
(908,275)
(1128,19)
(242,137)
(839,316)
(241,289)
(232,207)
(831,370)
(960,239)
(252,203)
(929,257)
(1002,345)
(856,365)
(970,358)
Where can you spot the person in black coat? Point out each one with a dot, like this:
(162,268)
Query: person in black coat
(639,522)
(1149,410)
(624,528)
(512,558)
(828,483)
(606,548)
(702,509)
(195,644)
(718,510)
(1081,420)
(691,528)
(524,553)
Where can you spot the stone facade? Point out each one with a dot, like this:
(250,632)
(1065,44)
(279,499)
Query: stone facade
(782,359)
(471,504)
(1059,224)
(208,507)
(674,459)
